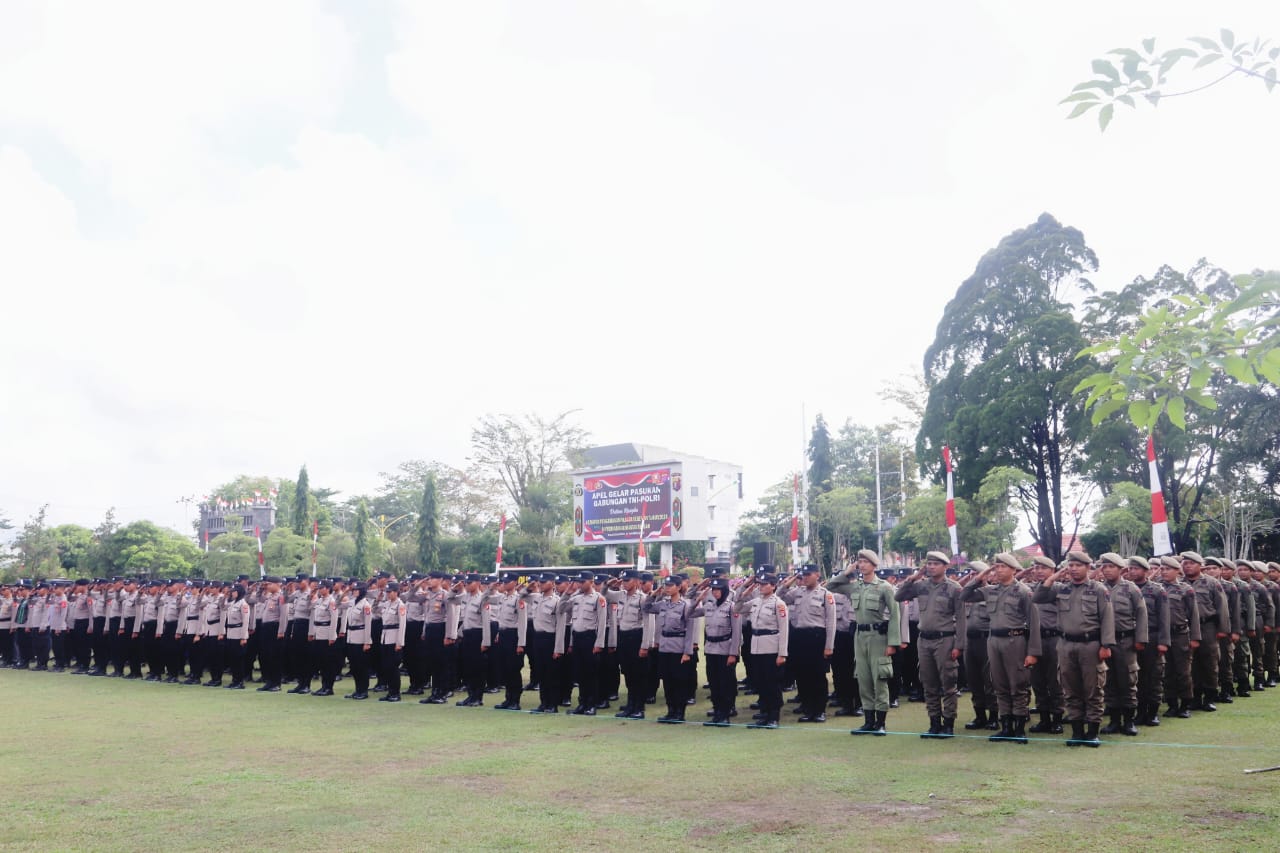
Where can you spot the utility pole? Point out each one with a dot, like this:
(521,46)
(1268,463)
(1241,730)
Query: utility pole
(879,524)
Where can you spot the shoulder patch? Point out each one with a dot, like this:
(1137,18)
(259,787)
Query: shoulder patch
(831,599)
(601,602)
(782,610)
(520,604)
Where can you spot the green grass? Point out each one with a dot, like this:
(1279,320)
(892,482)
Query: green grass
(92,763)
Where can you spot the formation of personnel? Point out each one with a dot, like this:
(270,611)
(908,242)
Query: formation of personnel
(1112,637)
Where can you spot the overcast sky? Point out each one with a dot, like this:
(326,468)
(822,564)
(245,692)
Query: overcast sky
(238,237)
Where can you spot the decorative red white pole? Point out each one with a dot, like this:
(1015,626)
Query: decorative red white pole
(1159,520)
(951,505)
(262,565)
(502,528)
(206,541)
(315,546)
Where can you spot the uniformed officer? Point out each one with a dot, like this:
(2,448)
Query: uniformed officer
(1132,627)
(977,669)
(513,626)
(627,601)
(1151,656)
(844,685)
(547,628)
(813,633)
(469,599)
(1184,638)
(586,617)
(236,625)
(769,639)
(209,638)
(1215,627)
(939,604)
(357,627)
(439,638)
(721,642)
(1272,650)
(322,640)
(168,612)
(1244,626)
(876,618)
(1044,675)
(675,635)
(394,625)
(1088,642)
(1014,643)
(270,633)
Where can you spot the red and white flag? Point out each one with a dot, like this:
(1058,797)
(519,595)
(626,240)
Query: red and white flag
(315,546)
(262,565)
(1159,520)
(951,504)
(206,541)
(502,528)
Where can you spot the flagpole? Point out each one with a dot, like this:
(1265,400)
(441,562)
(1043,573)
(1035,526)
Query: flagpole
(807,550)
(315,545)
(642,558)
(795,520)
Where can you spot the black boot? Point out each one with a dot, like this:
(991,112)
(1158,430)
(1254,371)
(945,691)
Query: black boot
(879,727)
(935,728)
(1113,728)
(979,720)
(1056,718)
(1077,733)
(1019,731)
(868,725)
(1126,723)
(1044,726)
(1242,689)
(1006,729)
(1179,709)
(1091,736)
(1206,704)
(948,727)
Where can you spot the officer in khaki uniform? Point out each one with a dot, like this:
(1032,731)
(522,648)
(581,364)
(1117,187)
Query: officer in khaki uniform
(1088,641)
(1014,644)
(877,622)
(1151,656)
(1215,627)
(1184,638)
(1255,573)
(941,644)
(1129,609)
(1044,675)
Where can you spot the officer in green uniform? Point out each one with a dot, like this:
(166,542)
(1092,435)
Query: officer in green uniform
(875,618)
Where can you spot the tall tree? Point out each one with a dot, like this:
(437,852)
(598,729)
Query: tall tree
(360,559)
(1002,369)
(301,504)
(821,464)
(525,452)
(428,527)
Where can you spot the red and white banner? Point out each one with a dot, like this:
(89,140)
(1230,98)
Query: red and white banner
(795,520)
(315,546)
(951,504)
(1159,520)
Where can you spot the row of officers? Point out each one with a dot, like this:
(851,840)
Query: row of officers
(1116,635)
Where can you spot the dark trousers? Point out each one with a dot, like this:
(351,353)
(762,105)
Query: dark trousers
(764,678)
(21,647)
(630,663)
(170,651)
(1204,662)
(80,643)
(415,661)
(6,645)
(132,651)
(299,657)
(252,651)
(809,667)
(438,659)
(978,672)
(723,679)
(1150,675)
(544,644)
(389,660)
(100,641)
(375,650)
(233,654)
(211,655)
(674,681)
(1044,678)
(150,649)
(59,645)
(492,664)
(748,659)
(1177,668)
(610,673)
(193,652)
(586,665)
(41,644)
(512,662)
(843,682)
(471,662)
(325,661)
(269,652)
(358,658)
(114,645)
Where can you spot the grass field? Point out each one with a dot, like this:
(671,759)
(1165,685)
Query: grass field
(93,763)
